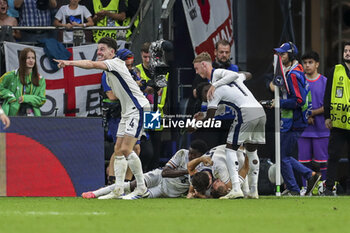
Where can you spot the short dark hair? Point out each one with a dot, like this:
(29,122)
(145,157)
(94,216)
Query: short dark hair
(345,44)
(218,193)
(145,47)
(199,145)
(110,42)
(311,55)
(221,42)
(200,181)
(199,89)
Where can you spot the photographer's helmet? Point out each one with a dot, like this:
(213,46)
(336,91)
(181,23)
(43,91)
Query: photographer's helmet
(124,54)
(289,48)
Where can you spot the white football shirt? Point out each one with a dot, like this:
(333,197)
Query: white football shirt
(179,184)
(124,86)
(238,97)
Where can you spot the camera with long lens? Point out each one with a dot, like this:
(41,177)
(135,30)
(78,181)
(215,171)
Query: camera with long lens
(158,63)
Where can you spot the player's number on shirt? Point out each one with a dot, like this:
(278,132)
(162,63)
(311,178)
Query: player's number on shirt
(131,124)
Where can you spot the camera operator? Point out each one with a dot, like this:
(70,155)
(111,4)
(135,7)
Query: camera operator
(157,97)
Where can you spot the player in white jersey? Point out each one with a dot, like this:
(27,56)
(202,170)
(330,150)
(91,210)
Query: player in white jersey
(171,181)
(215,177)
(248,127)
(133,103)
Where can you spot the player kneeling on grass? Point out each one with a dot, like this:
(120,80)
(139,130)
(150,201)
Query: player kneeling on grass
(171,181)
(210,177)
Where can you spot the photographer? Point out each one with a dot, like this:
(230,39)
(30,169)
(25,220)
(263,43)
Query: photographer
(156,95)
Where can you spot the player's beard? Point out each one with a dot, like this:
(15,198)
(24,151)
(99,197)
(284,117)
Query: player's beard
(346,60)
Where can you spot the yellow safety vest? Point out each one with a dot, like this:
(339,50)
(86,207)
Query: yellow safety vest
(127,21)
(112,6)
(340,99)
(161,103)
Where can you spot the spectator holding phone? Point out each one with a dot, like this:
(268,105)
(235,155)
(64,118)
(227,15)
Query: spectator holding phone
(72,15)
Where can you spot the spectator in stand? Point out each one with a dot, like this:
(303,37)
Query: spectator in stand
(11,10)
(23,90)
(132,7)
(6,20)
(108,13)
(72,15)
(35,13)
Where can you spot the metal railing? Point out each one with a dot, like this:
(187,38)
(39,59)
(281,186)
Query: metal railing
(141,11)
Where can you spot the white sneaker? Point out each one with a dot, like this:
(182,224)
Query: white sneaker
(253,195)
(245,193)
(136,194)
(303,191)
(115,194)
(233,195)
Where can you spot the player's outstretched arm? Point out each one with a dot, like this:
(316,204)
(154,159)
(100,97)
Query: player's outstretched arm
(85,64)
(169,172)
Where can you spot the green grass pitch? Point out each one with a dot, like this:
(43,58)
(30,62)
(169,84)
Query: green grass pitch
(268,214)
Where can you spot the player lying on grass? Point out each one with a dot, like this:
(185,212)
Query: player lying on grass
(210,176)
(171,181)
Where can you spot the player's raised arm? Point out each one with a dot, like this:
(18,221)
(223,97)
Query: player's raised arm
(85,64)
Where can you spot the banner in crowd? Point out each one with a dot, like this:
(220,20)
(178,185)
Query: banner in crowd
(209,21)
(70,91)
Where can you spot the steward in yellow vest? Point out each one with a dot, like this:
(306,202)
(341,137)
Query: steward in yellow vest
(337,115)
(339,100)
(108,14)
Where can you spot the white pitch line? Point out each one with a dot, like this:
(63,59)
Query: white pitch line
(52,213)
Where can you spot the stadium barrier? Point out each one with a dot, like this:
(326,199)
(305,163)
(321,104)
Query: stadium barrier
(46,156)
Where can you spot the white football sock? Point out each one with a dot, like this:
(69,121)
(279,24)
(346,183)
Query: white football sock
(245,186)
(253,173)
(232,167)
(120,166)
(134,163)
(240,158)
